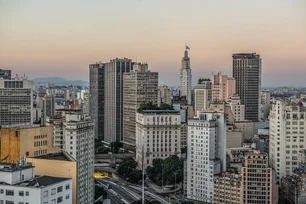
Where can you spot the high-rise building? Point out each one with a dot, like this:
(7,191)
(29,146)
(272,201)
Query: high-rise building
(57,124)
(158,132)
(113,98)
(96,97)
(50,105)
(255,182)
(139,86)
(79,143)
(5,74)
(206,154)
(223,86)
(287,136)
(186,77)
(247,73)
(237,108)
(202,94)
(16,101)
(18,184)
(59,164)
(164,95)
(258,180)
(25,141)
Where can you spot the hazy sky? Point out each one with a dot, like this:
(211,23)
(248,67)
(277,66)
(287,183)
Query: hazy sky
(61,38)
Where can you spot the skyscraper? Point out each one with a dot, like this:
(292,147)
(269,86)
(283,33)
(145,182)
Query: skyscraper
(185,77)
(96,97)
(139,86)
(247,72)
(206,154)
(16,101)
(287,136)
(113,98)
(79,143)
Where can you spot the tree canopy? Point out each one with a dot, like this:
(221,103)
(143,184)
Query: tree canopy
(151,106)
(166,169)
(127,170)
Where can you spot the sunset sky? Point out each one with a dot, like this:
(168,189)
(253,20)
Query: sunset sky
(61,38)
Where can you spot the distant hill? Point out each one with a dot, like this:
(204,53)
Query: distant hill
(59,80)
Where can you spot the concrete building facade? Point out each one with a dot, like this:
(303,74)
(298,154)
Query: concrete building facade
(159,133)
(79,143)
(186,77)
(26,141)
(203,95)
(238,109)
(60,165)
(164,95)
(222,86)
(18,184)
(247,73)
(287,136)
(227,188)
(139,86)
(113,98)
(206,154)
(16,101)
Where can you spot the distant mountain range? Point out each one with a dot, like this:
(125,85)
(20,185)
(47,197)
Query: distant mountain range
(59,80)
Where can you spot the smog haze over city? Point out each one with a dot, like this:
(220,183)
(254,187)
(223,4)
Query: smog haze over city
(60,38)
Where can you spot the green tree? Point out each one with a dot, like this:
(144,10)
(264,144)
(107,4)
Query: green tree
(100,192)
(127,170)
(165,169)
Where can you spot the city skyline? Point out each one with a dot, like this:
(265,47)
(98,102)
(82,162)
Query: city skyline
(44,39)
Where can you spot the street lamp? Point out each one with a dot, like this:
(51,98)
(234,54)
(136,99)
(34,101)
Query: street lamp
(162,176)
(175,183)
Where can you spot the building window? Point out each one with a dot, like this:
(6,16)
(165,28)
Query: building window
(67,196)
(53,201)
(60,199)
(45,194)
(60,189)
(21,193)
(9,193)
(67,186)
(27,193)
(53,191)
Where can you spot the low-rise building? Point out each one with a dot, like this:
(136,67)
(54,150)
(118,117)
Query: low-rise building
(18,184)
(19,141)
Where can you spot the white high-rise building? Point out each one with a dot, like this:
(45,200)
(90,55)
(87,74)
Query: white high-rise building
(164,95)
(287,136)
(202,95)
(159,133)
(185,77)
(206,154)
(79,143)
(16,101)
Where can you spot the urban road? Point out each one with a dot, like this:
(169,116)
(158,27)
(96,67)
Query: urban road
(125,193)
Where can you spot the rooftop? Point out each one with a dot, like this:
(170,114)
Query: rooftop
(62,156)
(14,167)
(160,111)
(41,181)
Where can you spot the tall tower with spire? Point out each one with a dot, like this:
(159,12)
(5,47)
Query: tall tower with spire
(185,77)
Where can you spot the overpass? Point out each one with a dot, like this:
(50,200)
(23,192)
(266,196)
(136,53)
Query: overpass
(117,156)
